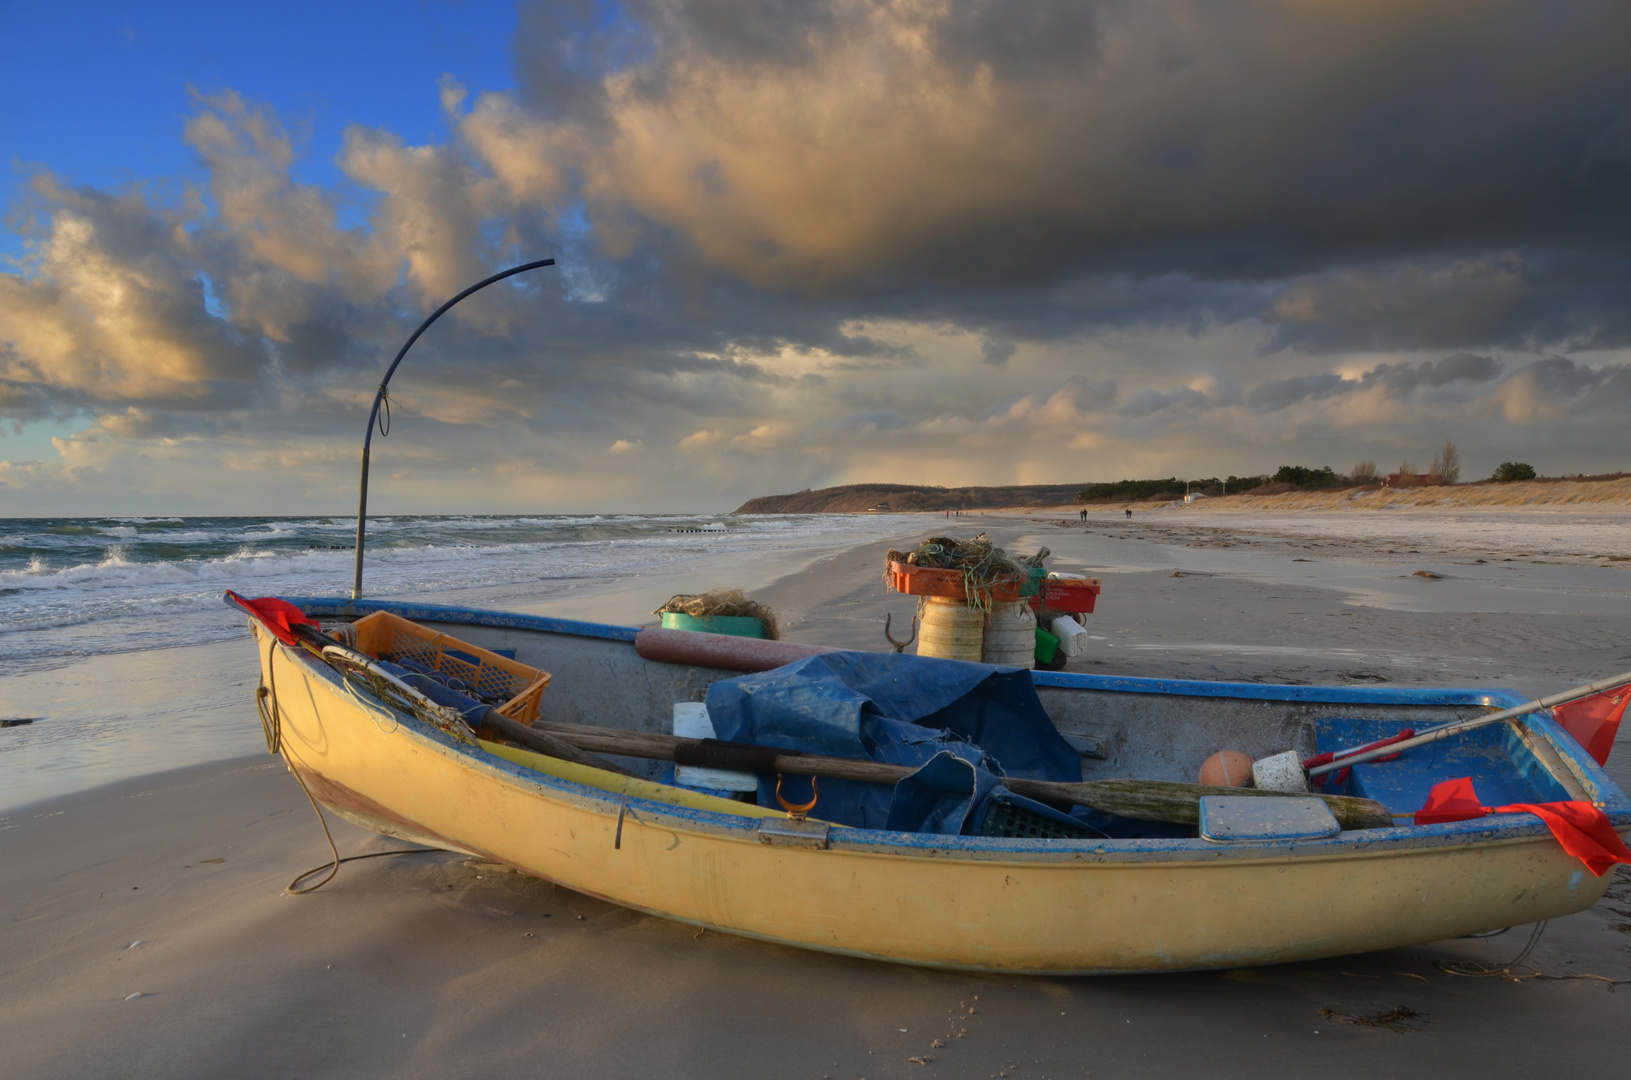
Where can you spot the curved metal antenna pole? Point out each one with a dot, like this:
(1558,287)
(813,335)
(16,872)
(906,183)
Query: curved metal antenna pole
(379,396)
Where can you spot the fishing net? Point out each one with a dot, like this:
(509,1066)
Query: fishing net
(361,674)
(727,602)
(511,687)
(1016,822)
(982,563)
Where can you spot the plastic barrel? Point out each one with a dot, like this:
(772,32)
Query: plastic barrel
(951,629)
(1010,636)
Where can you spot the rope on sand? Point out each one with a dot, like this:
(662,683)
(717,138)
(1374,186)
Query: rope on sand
(1473,970)
(272,725)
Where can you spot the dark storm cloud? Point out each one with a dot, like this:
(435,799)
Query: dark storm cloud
(1516,299)
(1147,401)
(996,353)
(1392,379)
(1260,139)
(877,420)
(884,220)
(1461,367)
(1280,393)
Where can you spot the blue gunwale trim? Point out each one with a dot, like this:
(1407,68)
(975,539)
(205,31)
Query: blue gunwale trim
(332,607)
(1328,695)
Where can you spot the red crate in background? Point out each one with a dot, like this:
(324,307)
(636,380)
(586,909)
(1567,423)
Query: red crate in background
(1068,594)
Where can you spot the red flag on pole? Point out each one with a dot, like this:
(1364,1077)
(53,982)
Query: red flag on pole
(1453,800)
(1594,720)
(1582,829)
(278,616)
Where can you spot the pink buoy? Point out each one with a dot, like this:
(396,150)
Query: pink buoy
(1227,768)
(725,651)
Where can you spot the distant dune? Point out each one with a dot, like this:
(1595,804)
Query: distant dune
(1518,495)
(899,498)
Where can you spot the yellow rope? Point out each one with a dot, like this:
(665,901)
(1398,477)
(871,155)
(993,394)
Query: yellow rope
(272,723)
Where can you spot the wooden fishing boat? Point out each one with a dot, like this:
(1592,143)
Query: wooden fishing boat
(1001,903)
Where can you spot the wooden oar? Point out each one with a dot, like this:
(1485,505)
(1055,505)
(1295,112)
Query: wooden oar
(1147,800)
(545,743)
(1456,727)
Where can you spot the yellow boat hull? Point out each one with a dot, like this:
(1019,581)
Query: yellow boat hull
(957,902)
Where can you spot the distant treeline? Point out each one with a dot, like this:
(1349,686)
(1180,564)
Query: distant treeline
(906,498)
(860,498)
(1446,469)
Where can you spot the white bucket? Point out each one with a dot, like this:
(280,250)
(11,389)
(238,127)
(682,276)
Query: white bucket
(1282,772)
(951,629)
(1072,637)
(1010,635)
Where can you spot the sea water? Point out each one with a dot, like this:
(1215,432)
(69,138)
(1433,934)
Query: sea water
(114,634)
(72,588)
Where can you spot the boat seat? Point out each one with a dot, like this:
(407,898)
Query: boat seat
(1227,819)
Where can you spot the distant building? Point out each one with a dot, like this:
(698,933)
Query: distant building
(1398,480)
(1193,496)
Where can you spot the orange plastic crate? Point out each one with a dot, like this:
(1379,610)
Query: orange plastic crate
(385,636)
(932,581)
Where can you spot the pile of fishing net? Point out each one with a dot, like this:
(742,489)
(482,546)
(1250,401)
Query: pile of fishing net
(732,602)
(981,562)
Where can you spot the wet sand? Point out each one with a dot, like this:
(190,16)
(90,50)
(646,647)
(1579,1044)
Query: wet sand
(433,965)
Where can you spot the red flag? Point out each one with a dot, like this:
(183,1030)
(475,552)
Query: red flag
(1582,829)
(1453,800)
(1594,720)
(278,616)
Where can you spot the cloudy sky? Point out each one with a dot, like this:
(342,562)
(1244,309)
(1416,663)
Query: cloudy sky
(801,243)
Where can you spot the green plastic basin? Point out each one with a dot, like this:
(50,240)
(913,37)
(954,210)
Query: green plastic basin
(735,625)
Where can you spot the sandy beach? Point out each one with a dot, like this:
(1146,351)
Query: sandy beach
(170,885)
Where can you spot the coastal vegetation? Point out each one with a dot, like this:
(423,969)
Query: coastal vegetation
(1509,471)
(909,498)
(1290,487)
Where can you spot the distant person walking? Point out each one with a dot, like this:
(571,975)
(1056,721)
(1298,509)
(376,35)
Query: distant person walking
(1129,511)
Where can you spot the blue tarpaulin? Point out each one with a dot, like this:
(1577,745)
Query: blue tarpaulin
(966,726)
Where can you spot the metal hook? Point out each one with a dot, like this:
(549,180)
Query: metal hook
(900,646)
(797,812)
(622,809)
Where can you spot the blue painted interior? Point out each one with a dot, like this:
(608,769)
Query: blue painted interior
(1501,767)
(1614,801)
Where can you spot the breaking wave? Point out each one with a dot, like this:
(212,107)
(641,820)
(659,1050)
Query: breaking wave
(71,588)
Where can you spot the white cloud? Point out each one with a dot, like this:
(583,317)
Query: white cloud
(699,439)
